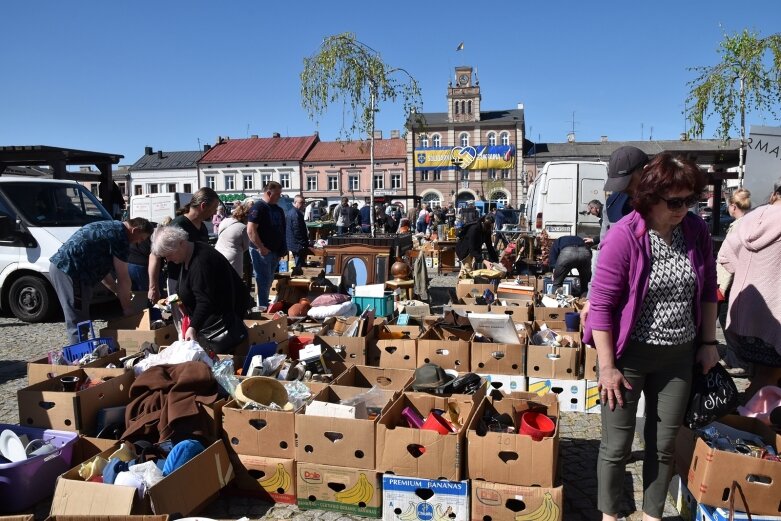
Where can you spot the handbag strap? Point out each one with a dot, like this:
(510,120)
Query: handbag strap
(736,486)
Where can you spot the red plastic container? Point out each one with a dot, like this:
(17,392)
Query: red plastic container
(24,483)
(435,422)
(297,343)
(537,425)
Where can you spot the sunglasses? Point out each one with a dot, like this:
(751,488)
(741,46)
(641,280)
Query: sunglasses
(676,203)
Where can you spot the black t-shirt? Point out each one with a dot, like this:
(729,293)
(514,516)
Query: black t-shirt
(193,235)
(270,219)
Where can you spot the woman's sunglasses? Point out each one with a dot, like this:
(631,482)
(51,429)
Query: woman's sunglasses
(676,203)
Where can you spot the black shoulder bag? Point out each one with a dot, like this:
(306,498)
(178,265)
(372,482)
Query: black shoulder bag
(713,395)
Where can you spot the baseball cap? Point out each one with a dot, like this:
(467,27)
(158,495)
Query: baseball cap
(623,161)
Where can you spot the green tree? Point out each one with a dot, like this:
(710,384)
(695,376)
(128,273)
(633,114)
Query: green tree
(744,79)
(346,69)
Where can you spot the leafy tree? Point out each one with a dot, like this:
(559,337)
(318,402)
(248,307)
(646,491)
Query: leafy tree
(743,79)
(346,69)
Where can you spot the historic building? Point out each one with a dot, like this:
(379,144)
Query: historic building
(466,154)
(163,172)
(333,169)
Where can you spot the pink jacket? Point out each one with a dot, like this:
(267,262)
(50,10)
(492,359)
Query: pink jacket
(753,253)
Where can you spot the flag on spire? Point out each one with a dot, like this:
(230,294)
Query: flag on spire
(460,47)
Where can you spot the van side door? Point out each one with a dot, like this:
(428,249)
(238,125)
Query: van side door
(11,246)
(591,185)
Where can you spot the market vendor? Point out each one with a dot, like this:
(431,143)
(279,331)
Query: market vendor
(568,253)
(471,239)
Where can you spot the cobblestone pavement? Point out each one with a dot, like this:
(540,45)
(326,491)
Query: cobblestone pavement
(579,444)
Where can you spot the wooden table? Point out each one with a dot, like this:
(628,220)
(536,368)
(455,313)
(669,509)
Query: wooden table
(402,284)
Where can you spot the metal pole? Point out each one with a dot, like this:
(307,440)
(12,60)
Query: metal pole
(742,167)
(371,159)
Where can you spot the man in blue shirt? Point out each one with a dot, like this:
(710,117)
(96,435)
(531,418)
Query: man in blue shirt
(266,230)
(364,215)
(567,253)
(95,253)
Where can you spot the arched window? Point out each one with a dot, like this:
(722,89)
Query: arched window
(436,140)
(491,139)
(469,107)
(432,199)
(464,138)
(456,106)
(505,137)
(424,141)
(463,107)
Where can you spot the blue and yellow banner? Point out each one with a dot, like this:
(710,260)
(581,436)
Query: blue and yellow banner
(481,157)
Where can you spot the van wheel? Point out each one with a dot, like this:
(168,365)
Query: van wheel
(31,299)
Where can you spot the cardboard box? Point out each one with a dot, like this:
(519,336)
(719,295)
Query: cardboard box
(423,453)
(265,433)
(269,479)
(131,340)
(402,501)
(504,383)
(562,363)
(512,458)
(708,513)
(394,332)
(683,500)
(416,309)
(551,314)
(590,363)
(353,349)
(448,348)
(397,354)
(367,377)
(94,518)
(594,404)
(339,489)
(345,442)
(263,329)
(40,369)
(186,491)
(467,288)
(499,502)
(570,393)
(710,472)
(488,357)
(45,405)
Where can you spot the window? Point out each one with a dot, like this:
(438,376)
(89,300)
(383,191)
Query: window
(432,199)
(171,188)
(353,183)
(230,182)
(311,182)
(138,190)
(437,141)
(463,107)
(248,181)
(505,138)
(465,175)
(284,179)
(122,188)
(333,182)
(188,188)
(437,175)
(491,173)
(506,173)
(93,187)
(464,139)
(153,189)
(456,105)
(469,107)
(265,179)
(395,180)
(424,141)
(424,175)
(210,183)
(491,139)
(379,181)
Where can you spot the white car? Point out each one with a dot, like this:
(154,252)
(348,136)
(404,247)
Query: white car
(36,217)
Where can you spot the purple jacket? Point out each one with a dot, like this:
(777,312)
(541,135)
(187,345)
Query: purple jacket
(620,283)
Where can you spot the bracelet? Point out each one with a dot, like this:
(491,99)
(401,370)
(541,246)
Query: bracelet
(710,343)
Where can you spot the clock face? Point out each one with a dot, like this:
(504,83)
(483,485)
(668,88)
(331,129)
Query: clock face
(463,79)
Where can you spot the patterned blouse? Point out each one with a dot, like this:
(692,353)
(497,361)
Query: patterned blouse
(666,316)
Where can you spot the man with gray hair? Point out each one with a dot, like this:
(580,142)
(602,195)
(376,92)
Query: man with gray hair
(297,235)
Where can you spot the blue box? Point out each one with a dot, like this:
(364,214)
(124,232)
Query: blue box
(383,306)
(446,499)
(708,513)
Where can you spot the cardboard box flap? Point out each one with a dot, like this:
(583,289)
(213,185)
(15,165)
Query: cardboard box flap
(113,518)
(195,484)
(89,499)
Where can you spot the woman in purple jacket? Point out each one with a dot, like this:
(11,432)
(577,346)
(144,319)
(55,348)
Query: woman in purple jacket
(653,294)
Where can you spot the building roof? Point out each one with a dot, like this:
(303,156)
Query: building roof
(703,151)
(487,117)
(260,149)
(394,148)
(169,161)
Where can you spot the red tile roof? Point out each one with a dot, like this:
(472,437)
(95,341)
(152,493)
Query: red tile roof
(395,148)
(260,149)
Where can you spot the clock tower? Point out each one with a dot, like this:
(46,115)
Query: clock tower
(463,98)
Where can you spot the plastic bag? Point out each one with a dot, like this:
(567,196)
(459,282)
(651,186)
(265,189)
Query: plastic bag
(225,375)
(712,396)
(178,352)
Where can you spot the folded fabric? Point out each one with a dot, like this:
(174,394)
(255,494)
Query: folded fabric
(114,467)
(182,452)
(762,404)
(127,479)
(345,309)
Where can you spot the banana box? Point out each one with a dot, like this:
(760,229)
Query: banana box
(270,479)
(499,502)
(397,353)
(417,499)
(683,500)
(339,489)
(570,393)
(593,403)
(504,383)
(490,357)
(590,363)
(266,432)
(448,348)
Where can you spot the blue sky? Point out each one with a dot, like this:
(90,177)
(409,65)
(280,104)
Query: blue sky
(115,76)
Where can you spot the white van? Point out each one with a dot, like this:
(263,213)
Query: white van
(558,198)
(156,207)
(36,217)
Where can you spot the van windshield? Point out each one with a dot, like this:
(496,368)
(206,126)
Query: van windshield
(53,204)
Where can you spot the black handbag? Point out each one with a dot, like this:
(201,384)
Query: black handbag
(223,333)
(713,395)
